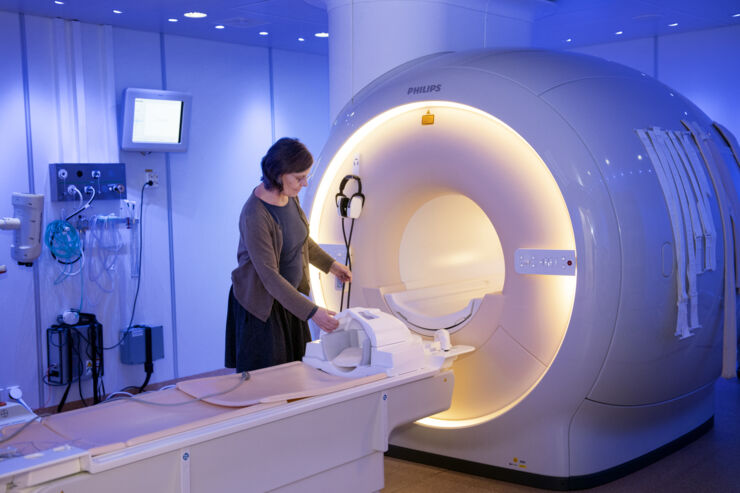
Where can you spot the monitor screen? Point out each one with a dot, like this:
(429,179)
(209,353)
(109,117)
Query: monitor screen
(155,120)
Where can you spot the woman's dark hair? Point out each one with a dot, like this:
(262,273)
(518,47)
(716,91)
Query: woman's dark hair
(285,156)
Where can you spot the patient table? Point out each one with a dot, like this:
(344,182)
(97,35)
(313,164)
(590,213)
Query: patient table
(286,428)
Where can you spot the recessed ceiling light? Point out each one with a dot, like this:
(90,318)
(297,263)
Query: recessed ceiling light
(735,15)
(58,2)
(264,33)
(322,35)
(618,33)
(172,19)
(219,26)
(569,40)
(673,24)
(301,40)
(117,12)
(195,15)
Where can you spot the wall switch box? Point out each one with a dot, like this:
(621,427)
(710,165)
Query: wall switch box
(133,347)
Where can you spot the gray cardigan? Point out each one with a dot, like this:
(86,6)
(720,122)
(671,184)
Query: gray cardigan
(257,280)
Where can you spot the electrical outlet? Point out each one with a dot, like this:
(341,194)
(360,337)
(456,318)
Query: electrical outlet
(152,176)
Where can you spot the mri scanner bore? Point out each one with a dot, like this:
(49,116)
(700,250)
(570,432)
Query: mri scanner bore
(568,217)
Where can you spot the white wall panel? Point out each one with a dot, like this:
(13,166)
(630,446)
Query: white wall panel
(701,65)
(704,66)
(301,89)
(73,119)
(230,132)
(137,63)
(636,53)
(17,324)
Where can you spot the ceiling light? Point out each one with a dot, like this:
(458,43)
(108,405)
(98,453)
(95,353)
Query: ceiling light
(264,33)
(735,15)
(301,40)
(674,24)
(322,35)
(219,26)
(195,15)
(58,2)
(569,40)
(618,33)
(117,12)
(172,19)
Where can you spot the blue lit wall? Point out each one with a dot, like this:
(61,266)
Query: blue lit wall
(243,97)
(703,65)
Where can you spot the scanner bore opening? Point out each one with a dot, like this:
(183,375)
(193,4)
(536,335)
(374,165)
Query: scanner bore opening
(405,165)
(450,257)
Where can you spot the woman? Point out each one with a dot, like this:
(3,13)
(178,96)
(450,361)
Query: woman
(268,309)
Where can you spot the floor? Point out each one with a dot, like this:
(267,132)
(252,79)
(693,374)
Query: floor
(710,464)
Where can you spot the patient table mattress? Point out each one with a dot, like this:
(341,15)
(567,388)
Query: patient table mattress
(118,424)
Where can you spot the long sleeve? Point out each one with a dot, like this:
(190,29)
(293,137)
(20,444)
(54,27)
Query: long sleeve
(318,257)
(261,248)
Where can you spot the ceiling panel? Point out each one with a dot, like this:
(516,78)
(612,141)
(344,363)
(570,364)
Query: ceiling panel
(583,22)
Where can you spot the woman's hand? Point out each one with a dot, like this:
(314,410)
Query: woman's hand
(341,271)
(325,319)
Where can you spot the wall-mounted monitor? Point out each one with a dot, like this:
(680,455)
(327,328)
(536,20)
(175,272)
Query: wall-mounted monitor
(155,120)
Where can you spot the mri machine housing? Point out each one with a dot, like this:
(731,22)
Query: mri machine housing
(478,166)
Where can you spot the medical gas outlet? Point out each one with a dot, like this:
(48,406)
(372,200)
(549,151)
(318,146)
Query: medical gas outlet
(71,182)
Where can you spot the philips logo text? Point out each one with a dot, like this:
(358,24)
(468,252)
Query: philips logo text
(424,89)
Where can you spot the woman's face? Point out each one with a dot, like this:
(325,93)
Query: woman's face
(294,182)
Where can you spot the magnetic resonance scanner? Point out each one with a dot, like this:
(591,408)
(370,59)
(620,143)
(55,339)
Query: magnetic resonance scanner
(564,215)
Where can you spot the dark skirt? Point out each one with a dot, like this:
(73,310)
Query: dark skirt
(252,344)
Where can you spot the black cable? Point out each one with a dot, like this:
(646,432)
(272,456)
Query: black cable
(146,382)
(79,389)
(148,364)
(80,361)
(84,206)
(75,346)
(347,261)
(138,280)
(346,256)
(80,371)
(64,397)
(92,347)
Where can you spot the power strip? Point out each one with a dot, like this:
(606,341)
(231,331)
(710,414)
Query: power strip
(12,413)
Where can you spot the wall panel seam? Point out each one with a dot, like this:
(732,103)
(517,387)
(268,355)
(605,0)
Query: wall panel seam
(170,228)
(32,189)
